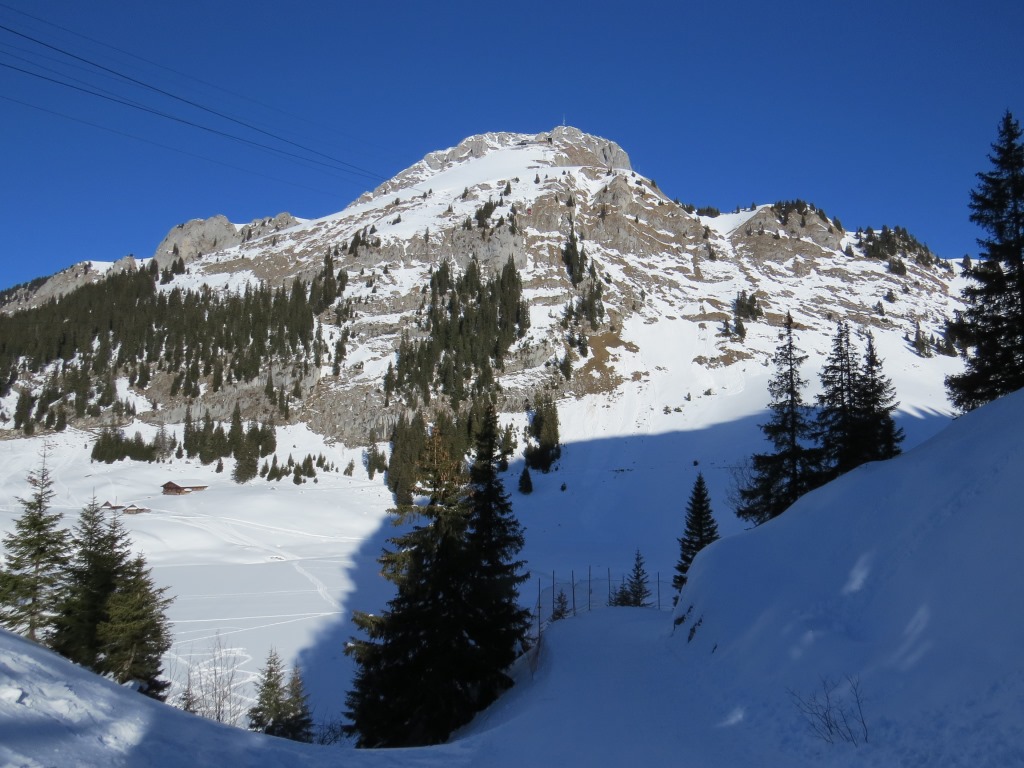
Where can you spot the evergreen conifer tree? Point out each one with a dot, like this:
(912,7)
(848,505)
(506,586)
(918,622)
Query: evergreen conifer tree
(268,714)
(525,481)
(781,477)
(236,432)
(875,399)
(637,590)
(36,556)
(575,257)
(619,596)
(246,462)
(101,552)
(701,530)
(411,685)
(561,607)
(298,720)
(837,427)
(990,331)
(499,625)
(136,634)
(544,430)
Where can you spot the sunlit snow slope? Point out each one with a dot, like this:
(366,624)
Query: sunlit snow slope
(902,576)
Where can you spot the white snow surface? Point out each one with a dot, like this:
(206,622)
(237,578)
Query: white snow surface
(898,576)
(901,576)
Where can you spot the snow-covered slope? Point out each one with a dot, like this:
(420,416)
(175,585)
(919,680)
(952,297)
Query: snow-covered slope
(661,395)
(902,576)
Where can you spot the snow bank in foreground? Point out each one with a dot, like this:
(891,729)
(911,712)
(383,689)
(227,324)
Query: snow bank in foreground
(903,576)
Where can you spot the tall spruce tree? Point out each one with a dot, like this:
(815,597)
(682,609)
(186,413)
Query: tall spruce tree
(781,477)
(298,720)
(101,553)
(236,432)
(499,625)
(36,556)
(701,530)
(875,400)
(270,711)
(544,430)
(990,331)
(246,462)
(838,425)
(136,633)
(637,590)
(411,686)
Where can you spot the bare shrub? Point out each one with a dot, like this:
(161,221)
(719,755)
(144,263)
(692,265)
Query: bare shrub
(835,713)
(211,686)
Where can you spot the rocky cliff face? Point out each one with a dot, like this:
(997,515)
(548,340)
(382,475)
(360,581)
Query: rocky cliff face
(191,239)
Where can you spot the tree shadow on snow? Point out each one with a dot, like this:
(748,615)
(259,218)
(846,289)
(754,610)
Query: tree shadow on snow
(604,499)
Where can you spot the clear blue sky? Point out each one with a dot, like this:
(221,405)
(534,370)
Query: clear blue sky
(878,112)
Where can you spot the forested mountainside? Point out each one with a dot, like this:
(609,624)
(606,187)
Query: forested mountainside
(507,265)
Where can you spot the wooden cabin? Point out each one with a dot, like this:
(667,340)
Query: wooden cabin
(170,488)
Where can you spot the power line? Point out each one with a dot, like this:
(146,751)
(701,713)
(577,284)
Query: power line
(193,78)
(129,78)
(175,118)
(164,146)
(54,71)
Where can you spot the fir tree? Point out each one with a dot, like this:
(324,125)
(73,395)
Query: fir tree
(190,700)
(837,424)
(525,481)
(574,257)
(781,477)
(36,555)
(637,591)
(268,714)
(136,634)
(499,625)
(991,329)
(619,596)
(875,401)
(236,432)
(298,720)
(411,685)
(701,530)
(545,431)
(101,552)
(560,610)
(246,462)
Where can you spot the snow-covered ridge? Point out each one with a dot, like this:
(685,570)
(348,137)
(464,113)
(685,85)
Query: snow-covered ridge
(561,146)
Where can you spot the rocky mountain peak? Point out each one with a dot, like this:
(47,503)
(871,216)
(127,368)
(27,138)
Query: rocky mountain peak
(530,199)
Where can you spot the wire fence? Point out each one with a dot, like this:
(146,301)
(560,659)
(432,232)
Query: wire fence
(591,590)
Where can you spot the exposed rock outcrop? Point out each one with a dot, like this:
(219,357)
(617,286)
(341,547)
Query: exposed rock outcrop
(191,239)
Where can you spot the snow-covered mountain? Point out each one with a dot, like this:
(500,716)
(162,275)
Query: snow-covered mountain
(661,394)
(899,578)
(669,277)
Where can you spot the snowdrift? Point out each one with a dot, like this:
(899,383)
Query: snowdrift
(902,576)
